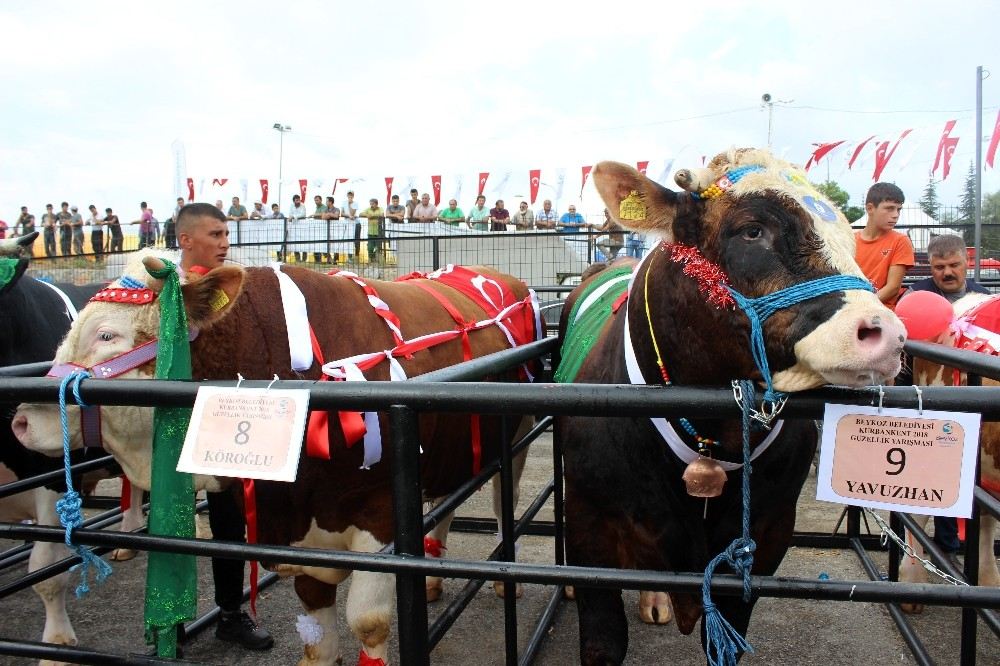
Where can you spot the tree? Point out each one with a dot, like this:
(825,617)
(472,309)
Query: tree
(929,202)
(832,191)
(967,207)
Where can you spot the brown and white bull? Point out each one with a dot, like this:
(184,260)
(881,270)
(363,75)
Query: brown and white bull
(334,503)
(928,373)
(754,223)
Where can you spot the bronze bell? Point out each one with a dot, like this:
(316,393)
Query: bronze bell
(704,477)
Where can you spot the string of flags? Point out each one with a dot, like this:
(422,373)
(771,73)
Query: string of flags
(870,152)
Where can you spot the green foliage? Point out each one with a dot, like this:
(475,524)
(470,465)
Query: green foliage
(839,197)
(929,202)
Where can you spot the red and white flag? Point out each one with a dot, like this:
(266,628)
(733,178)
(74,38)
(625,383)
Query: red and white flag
(857,151)
(219,181)
(303,182)
(583,180)
(436,184)
(883,154)
(190,184)
(483,176)
(991,152)
(642,166)
(536,178)
(263,190)
(388,189)
(333,192)
(945,149)
(822,150)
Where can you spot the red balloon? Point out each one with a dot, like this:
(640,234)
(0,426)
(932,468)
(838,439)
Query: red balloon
(925,314)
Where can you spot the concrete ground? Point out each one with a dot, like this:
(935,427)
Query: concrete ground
(782,631)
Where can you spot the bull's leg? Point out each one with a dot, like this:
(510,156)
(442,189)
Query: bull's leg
(370,604)
(910,568)
(435,544)
(318,628)
(516,471)
(654,607)
(58,628)
(988,573)
(132,519)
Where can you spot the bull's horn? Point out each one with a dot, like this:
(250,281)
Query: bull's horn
(153,263)
(12,246)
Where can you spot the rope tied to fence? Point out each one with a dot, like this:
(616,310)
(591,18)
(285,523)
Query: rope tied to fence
(69,506)
(722,642)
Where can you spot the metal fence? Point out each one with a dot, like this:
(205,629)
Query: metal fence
(439,392)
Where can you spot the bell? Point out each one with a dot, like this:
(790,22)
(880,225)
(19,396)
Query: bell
(704,477)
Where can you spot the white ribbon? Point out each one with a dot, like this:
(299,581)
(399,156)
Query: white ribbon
(296,321)
(70,308)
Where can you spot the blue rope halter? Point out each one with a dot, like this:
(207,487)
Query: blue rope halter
(723,643)
(68,507)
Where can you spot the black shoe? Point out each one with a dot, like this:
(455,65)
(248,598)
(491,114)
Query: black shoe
(239,628)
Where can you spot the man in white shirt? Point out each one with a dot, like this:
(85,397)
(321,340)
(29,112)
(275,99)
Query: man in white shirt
(547,217)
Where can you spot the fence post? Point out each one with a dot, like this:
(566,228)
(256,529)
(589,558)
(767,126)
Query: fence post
(329,250)
(435,253)
(508,546)
(284,239)
(407,505)
(239,232)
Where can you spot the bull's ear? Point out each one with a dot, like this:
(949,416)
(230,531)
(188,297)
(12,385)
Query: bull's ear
(209,298)
(636,201)
(11,271)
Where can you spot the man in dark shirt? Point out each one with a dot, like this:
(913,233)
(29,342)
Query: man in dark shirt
(949,263)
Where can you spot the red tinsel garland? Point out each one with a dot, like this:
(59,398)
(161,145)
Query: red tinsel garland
(711,279)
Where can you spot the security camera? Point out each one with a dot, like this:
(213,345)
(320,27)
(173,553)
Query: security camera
(766,98)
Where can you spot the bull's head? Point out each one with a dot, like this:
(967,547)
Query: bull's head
(761,221)
(113,325)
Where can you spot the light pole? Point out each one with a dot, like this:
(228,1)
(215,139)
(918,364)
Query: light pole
(281,150)
(768,101)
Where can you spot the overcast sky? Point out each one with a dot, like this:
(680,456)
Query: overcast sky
(96,93)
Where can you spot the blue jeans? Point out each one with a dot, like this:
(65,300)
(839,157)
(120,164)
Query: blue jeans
(634,246)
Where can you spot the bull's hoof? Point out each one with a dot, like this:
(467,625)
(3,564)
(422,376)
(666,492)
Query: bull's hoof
(123,554)
(499,588)
(312,658)
(570,592)
(654,608)
(434,590)
(912,609)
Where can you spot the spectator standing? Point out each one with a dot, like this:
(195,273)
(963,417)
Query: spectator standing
(424,211)
(523,219)
(76,224)
(96,232)
(275,213)
(237,211)
(320,208)
(884,255)
(330,211)
(170,227)
(635,243)
(49,231)
(376,229)
(3,229)
(547,217)
(218,204)
(147,236)
(65,219)
(571,220)
(25,225)
(412,204)
(611,244)
(349,210)
(295,213)
(115,229)
(499,216)
(479,216)
(452,215)
(258,212)
(394,212)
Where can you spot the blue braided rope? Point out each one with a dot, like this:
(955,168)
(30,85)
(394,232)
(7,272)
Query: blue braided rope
(758,310)
(723,643)
(68,507)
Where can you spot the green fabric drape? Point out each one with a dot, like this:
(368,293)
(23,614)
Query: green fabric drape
(582,332)
(171,579)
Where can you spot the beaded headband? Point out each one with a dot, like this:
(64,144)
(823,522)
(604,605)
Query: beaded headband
(130,291)
(733,176)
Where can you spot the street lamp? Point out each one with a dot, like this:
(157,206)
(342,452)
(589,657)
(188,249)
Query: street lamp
(768,101)
(281,150)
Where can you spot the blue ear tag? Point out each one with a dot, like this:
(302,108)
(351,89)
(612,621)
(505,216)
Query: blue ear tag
(820,208)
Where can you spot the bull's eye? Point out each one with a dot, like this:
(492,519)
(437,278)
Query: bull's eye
(753,232)
(106,336)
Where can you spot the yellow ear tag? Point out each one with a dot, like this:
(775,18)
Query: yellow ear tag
(219,300)
(632,208)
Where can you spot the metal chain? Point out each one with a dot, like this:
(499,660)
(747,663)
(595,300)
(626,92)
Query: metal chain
(888,533)
(768,410)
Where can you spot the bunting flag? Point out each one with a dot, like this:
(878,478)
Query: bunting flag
(822,150)
(536,177)
(857,151)
(220,181)
(483,176)
(883,154)
(560,182)
(457,192)
(263,190)
(436,185)
(336,181)
(945,149)
(190,185)
(388,189)
(665,174)
(642,166)
(994,141)
(244,186)
(583,181)
(302,188)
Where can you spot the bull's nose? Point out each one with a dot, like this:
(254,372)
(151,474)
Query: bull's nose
(869,333)
(20,427)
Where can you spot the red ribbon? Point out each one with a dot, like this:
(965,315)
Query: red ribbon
(250,508)
(365,660)
(318,426)
(126,499)
(433,547)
